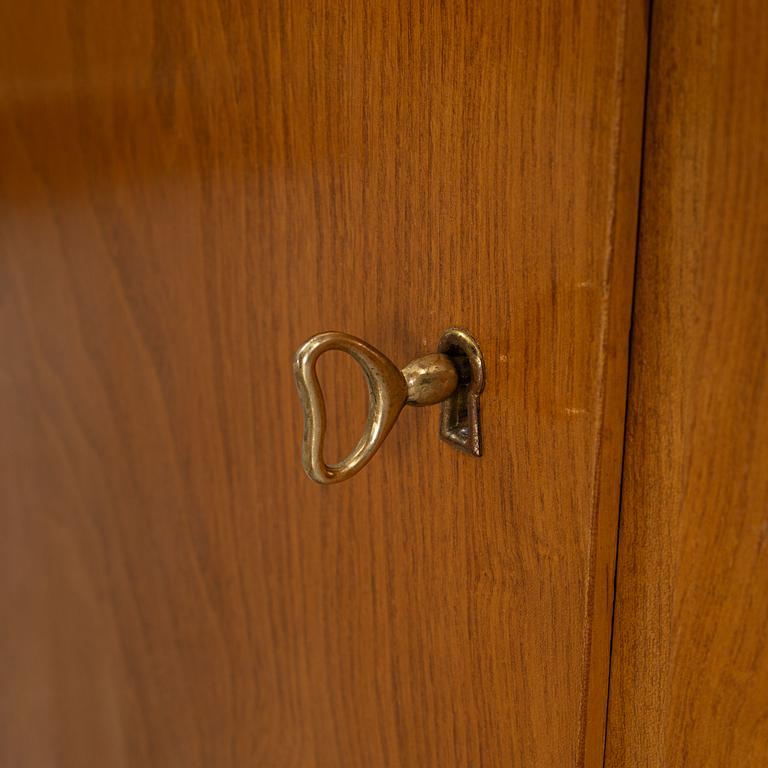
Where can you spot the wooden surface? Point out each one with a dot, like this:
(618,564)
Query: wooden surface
(188,192)
(689,682)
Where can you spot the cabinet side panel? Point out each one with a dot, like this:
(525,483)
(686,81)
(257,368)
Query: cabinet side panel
(689,680)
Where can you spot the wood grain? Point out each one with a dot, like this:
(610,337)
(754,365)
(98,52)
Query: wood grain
(689,682)
(189,190)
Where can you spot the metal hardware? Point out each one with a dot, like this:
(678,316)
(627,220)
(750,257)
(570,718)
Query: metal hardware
(453,376)
(460,413)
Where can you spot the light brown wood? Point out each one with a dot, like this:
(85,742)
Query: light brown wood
(190,191)
(689,682)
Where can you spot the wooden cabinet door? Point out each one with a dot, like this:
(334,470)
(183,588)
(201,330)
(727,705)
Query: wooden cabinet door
(189,190)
